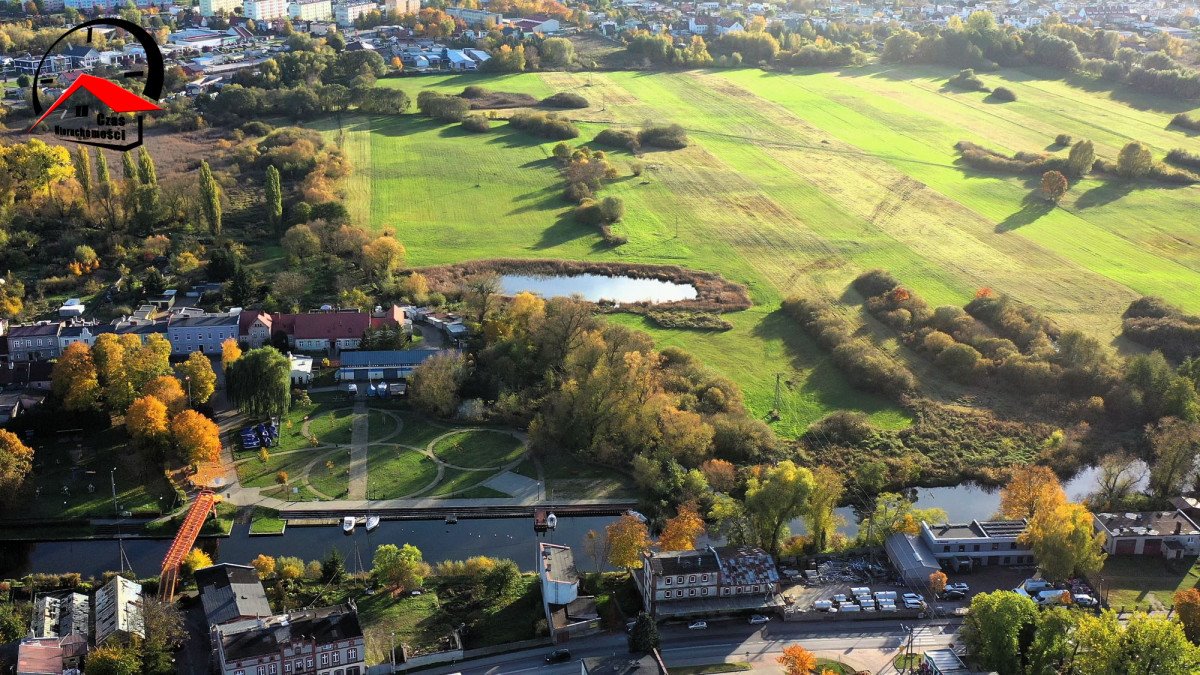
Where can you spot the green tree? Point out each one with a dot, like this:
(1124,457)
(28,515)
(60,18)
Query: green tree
(147,173)
(894,513)
(436,383)
(1134,160)
(333,567)
(259,382)
(1052,645)
(114,660)
(779,496)
(129,167)
(557,52)
(83,170)
(994,626)
(274,199)
(1175,444)
(644,636)
(300,242)
(399,568)
(210,198)
(825,496)
(1081,158)
(1155,645)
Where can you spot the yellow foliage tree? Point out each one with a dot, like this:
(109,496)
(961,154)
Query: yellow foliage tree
(195,560)
(264,565)
(148,360)
(197,437)
(16,460)
(1031,490)
(146,421)
(1065,542)
(109,357)
(797,660)
(167,389)
(383,256)
(937,582)
(230,352)
(627,538)
(680,533)
(198,376)
(74,378)
(289,568)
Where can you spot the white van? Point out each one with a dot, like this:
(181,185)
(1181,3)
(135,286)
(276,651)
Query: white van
(823,605)
(849,607)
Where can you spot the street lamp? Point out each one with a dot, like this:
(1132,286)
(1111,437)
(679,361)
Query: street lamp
(393,652)
(112,475)
(188,379)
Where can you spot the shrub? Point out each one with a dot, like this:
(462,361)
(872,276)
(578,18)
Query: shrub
(1134,160)
(1022,324)
(619,138)
(967,80)
(547,125)
(875,282)
(577,192)
(565,100)
(667,137)
(1152,322)
(636,168)
(475,91)
(256,128)
(691,320)
(1062,140)
(476,123)
(1004,94)
(960,362)
(844,427)
(1180,157)
(1150,306)
(1186,121)
(979,157)
(442,107)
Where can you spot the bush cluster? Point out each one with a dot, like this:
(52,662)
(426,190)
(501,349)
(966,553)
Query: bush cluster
(1152,322)
(1062,140)
(1186,121)
(979,157)
(864,364)
(1031,331)
(476,123)
(1004,94)
(442,107)
(665,136)
(1181,157)
(565,99)
(666,318)
(546,125)
(256,128)
(967,80)
(619,138)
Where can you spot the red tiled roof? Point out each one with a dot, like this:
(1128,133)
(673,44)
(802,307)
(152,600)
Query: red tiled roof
(247,317)
(329,325)
(40,655)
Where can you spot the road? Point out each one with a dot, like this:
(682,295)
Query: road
(731,640)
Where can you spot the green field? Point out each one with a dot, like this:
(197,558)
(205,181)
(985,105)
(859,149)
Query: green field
(797,183)
(478,449)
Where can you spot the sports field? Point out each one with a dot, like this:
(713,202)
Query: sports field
(796,183)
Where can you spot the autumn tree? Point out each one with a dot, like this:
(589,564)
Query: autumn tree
(1030,490)
(1081,158)
(1134,160)
(195,560)
(779,496)
(147,422)
(720,474)
(289,568)
(147,360)
(627,538)
(197,438)
(74,378)
(264,565)
(260,382)
(681,532)
(167,389)
(596,546)
(797,660)
(230,352)
(1187,606)
(823,499)
(16,461)
(199,378)
(436,383)
(1054,186)
(110,355)
(894,513)
(994,626)
(114,660)
(1175,444)
(165,630)
(1065,542)
(937,582)
(383,257)
(399,568)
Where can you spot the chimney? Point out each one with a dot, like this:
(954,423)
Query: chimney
(1178,527)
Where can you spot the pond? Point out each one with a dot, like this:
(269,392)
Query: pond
(597,287)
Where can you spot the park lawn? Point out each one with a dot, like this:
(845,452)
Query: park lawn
(302,492)
(837,667)
(332,426)
(568,477)
(795,183)
(418,431)
(478,449)
(254,472)
(266,521)
(394,472)
(1136,581)
(454,480)
(380,426)
(331,482)
(291,434)
(409,617)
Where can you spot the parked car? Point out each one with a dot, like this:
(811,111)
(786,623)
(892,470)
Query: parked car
(914,597)
(698,625)
(558,656)
(953,594)
(849,607)
(1084,600)
(958,586)
(758,619)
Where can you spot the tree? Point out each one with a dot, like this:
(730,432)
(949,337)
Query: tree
(289,568)
(1118,477)
(195,560)
(937,582)
(167,389)
(720,474)
(146,421)
(199,378)
(893,513)
(259,382)
(435,383)
(165,631)
(680,533)
(382,257)
(993,629)
(210,198)
(274,199)
(1054,185)
(264,565)
(797,660)
(1187,606)
(824,497)
(1064,541)
(74,378)
(596,547)
(83,170)
(197,438)
(16,461)
(300,242)
(1052,644)
(643,637)
(399,568)
(1134,160)
(1153,644)
(627,538)
(109,356)
(1175,444)
(114,660)
(1081,159)
(557,52)
(1030,490)
(147,360)
(230,352)
(333,567)
(779,496)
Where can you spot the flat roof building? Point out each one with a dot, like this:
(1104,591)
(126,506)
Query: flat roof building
(231,593)
(979,543)
(119,610)
(1170,534)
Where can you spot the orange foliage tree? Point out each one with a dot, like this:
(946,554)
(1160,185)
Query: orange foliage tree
(627,538)
(720,474)
(167,389)
(1187,606)
(937,582)
(74,378)
(197,437)
(680,533)
(797,660)
(146,421)
(1030,490)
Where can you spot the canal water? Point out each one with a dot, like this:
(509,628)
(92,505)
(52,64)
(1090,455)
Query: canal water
(597,287)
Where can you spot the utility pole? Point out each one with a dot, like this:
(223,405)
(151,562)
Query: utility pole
(112,475)
(775,410)
(188,379)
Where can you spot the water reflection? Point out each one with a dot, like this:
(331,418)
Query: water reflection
(596,287)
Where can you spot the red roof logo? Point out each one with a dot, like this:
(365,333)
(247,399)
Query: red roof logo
(117,99)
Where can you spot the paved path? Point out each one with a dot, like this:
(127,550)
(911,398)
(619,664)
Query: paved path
(358,452)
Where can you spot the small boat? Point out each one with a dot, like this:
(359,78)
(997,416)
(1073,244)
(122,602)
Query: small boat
(372,522)
(451,519)
(640,518)
(348,524)
(551,521)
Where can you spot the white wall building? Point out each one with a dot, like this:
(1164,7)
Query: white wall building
(345,13)
(211,7)
(265,10)
(119,610)
(311,10)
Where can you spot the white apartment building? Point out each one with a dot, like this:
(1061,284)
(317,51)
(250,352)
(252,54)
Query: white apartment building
(212,7)
(311,10)
(403,7)
(345,13)
(265,10)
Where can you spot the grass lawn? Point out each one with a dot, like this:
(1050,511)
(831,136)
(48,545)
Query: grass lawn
(1139,581)
(256,473)
(332,426)
(566,477)
(909,661)
(512,618)
(836,666)
(394,472)
(266,521)
(418,432)
(479,449)
(333,482)
(454,480)
(795,183)
(380,426)
(409,618)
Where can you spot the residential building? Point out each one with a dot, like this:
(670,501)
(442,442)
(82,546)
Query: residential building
(707,581)
(254,328)
(265,10)
(912,558)
(212,7)
(203,333)
(302,366)
(326,641)
(82,56)
(311,10)
(59,616)
(1170,534)
(11,406)
(944,662)
(40,656)
(345,13)
(34,342)
(568,614)
(475,17)
(977,544)
(54,63)
(197,38)
(403,7)
(82,332)
(231,593)
(375,366)
(118,610)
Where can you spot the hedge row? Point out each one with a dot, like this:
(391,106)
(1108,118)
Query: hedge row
(1152,322)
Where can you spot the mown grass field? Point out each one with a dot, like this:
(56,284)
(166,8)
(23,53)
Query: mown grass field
(797,183)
